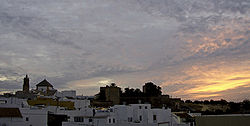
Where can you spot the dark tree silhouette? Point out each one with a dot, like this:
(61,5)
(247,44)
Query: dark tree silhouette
(188,101)
(246,104)
(150,89)
(130,92)
(206,102)
(235,107)
(101,96)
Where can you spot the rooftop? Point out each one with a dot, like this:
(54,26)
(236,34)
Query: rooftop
(10,112)
(44,83)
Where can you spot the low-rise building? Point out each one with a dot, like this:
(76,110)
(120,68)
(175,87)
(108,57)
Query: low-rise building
(124,115)
(45,88)
(223,120)
(10,117)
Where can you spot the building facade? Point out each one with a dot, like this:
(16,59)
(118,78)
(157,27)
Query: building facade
(111,93)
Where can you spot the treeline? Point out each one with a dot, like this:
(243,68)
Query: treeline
(212,102)
(149,89)
(233,107)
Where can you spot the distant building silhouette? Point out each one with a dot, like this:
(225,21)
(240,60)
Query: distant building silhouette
(25,93)
(112,93)
(26,86)
(108,96)
(45,88)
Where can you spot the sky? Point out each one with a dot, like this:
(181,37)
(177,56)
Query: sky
(193,49)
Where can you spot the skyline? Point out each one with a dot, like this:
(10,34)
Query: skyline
(192,49)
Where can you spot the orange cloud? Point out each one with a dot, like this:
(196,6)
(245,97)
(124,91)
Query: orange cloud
(223,35)
(209,80)
(206,96)
(211,76)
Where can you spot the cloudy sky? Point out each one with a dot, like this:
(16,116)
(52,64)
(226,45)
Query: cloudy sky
(193,49)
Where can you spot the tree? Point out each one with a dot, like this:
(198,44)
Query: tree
(101,96)
(212,102)
(197,102)
(206,102)
(235,107)
(246,104)
(150,89)
(223,102)
(188,101)
(130,92)
(112,85)
(138,92)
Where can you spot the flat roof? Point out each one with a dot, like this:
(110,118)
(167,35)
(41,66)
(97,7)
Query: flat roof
(10,112)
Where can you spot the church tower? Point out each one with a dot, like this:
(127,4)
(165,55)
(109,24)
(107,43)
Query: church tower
(26,86)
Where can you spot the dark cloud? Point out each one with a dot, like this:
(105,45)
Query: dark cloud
(10,85)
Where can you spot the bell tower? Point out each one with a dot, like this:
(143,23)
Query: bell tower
(26,86)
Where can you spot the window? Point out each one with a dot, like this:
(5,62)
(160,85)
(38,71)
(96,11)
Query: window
(139,107)
(146,107)
(140,118)
(154,117)
(113,120)
(90,120)
(81,119)
(27,118)
(78,119)
(129,119)
(109,120)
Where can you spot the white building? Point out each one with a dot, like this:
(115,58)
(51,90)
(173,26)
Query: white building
(10,117)
(16,112)
(34,116)
(69,93)
(44,86)
(83,115)
(13,102)
(66,93)
(122,115)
